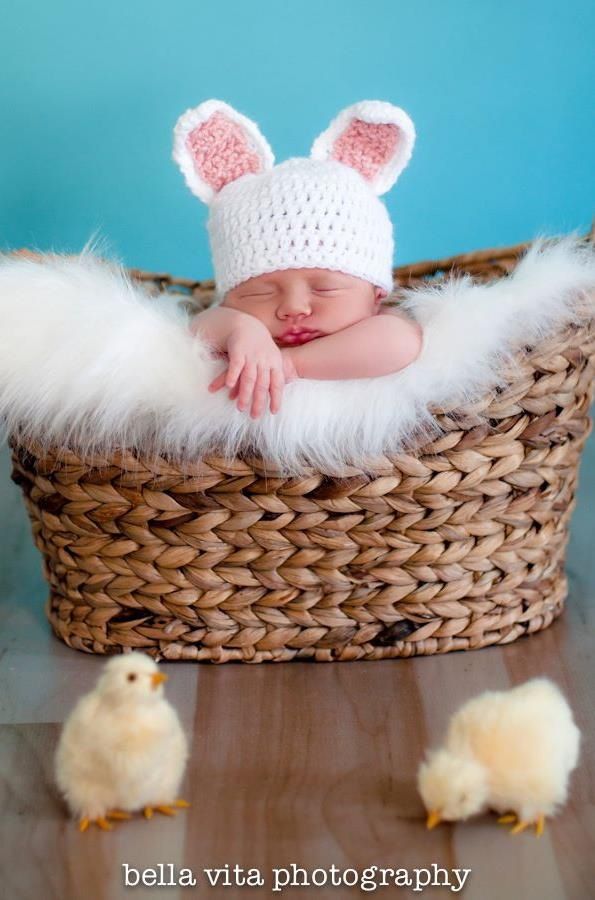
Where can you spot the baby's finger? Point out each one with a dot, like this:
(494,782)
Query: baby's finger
(248,379)
(261,389)
(218,382)
(277,384)
(236,365)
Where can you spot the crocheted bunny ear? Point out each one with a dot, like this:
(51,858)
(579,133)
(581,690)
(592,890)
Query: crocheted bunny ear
(214,144)
(373,137)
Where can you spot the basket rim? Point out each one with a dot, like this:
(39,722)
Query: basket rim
(401,273)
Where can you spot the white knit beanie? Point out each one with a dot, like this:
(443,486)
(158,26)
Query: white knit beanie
(316,212)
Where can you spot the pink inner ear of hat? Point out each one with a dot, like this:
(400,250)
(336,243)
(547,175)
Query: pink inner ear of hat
(221,152)
(366,146)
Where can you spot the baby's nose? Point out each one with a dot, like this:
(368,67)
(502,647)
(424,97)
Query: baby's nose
(294,309)
(295,301)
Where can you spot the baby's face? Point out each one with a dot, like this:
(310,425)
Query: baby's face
(298,305)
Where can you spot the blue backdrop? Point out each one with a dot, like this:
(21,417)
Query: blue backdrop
(500,92)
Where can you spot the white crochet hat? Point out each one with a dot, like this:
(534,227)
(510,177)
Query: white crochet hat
(316,212)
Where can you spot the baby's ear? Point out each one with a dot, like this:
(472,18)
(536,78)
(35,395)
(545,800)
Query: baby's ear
(214,144)
(373,137)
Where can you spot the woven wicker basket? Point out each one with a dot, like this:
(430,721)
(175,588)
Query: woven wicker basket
(456,545)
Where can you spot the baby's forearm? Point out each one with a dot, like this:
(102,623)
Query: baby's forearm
(378,345)
(216,323)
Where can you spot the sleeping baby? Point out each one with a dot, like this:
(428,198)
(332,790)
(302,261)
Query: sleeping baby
(302,251)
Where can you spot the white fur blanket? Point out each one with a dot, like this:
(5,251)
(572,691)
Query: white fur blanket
(90,359)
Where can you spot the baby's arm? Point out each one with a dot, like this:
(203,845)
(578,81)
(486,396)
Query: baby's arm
(216,323)
(378,345)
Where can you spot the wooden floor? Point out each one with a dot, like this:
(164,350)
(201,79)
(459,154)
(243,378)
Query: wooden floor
(310,764)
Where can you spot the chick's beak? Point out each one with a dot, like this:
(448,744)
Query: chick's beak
(158,678)
(433,819)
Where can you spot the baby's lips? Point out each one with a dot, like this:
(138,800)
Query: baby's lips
(303,338)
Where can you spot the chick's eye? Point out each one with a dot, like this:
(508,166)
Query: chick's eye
(132,677)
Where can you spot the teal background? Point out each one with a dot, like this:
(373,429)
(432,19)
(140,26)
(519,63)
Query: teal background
(501,94)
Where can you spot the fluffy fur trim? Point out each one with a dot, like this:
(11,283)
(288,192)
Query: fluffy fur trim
(90,359)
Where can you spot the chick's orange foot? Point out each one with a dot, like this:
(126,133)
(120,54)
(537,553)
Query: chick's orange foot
(166,809)
(520,824)
(100,821)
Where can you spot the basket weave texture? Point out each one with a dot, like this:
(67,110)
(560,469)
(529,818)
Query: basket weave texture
(456,545)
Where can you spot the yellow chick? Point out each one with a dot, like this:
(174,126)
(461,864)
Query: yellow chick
(122,748)
(509,751)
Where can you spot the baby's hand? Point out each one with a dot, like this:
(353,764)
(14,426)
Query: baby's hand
(256,368)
